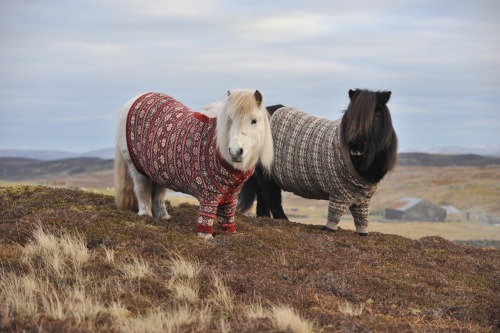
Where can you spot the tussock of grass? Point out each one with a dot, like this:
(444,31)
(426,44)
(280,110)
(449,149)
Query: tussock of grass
(350,309)
(285,319)
(110,254)
(57,253)
(136,268)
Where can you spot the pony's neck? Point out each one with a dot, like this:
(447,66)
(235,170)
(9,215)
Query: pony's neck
(351,168)
(375,172)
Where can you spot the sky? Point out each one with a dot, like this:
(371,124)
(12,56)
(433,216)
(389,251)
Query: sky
(66,67)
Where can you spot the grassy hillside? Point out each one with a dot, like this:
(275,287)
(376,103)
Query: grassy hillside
(70,261)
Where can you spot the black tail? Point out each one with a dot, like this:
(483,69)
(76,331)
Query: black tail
(247,194)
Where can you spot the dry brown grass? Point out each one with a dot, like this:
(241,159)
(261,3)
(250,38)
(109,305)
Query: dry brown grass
(53,287)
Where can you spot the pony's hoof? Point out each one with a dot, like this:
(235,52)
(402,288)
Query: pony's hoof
(363,234)
(205,236)
(325,228)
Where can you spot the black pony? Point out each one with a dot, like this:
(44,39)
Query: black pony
(341,161)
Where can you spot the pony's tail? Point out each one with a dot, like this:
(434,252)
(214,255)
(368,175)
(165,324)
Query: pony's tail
(247,194)
(124,186)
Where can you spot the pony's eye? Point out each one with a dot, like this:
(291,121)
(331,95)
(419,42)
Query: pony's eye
(254,121)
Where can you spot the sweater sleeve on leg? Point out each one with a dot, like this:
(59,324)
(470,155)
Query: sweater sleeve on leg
(360,215)
(225,216)
(335,211)
(206,217)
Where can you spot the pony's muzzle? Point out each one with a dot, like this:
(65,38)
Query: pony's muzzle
(236,154)
(356,148)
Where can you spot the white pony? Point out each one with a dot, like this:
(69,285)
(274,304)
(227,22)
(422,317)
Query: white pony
(160,144)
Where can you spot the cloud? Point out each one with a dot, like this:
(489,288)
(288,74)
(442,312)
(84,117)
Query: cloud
(78,60)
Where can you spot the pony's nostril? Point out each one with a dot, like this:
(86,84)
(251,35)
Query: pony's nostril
(241,151)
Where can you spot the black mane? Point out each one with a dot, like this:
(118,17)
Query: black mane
(271,109)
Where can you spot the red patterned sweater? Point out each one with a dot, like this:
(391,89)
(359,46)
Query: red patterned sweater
(176,148)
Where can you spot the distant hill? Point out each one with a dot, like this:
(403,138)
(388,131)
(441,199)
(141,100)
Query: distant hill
(109,153)
(51,155)
(423,159)
(20,168)
(492,151)
(16,169)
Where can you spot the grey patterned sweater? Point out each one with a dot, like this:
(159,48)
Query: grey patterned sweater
(310,162)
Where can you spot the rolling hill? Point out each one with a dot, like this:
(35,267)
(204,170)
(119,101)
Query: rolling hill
(423,159)
(18,169)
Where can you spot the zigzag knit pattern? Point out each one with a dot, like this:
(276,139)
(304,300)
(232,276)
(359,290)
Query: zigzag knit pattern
(176,148)
(310,162)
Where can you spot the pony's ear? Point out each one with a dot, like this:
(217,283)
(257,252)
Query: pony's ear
(351,93)
(258,97)
(383,97)
(229,92)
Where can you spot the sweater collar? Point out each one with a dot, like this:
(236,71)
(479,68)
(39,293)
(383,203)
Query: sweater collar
(238,174)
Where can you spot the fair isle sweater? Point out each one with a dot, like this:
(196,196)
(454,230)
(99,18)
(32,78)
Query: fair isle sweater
(176,148)
(310,162)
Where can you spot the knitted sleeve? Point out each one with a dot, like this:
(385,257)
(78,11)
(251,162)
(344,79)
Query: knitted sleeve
(225,216)
(335,210)
(360,215)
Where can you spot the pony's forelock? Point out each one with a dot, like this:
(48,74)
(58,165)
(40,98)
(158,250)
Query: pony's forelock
(358,117)
(240,101)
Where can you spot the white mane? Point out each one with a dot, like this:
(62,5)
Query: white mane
(213,109)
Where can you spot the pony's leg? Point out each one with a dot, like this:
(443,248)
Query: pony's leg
(142,190)
(262,207)
(225,216)
(272,196)
(206,218)
(159,208)
(360,215)
(335,211)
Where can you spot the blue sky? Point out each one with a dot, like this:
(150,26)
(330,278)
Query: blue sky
(67,66)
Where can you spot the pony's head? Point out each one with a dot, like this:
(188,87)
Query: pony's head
(368,135)
(243,132)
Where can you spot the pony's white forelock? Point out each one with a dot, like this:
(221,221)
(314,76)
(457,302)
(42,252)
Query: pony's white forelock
(241,102)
